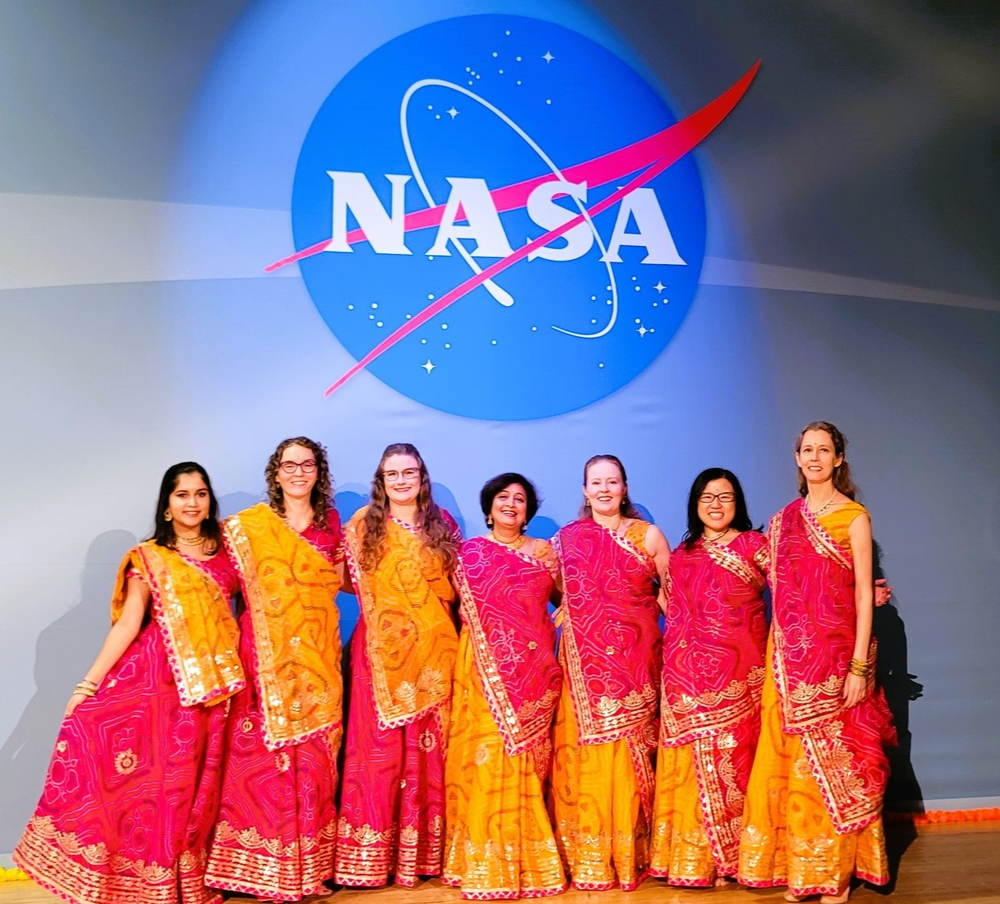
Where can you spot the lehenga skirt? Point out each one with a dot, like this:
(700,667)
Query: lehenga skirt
(788,835)
(277,829)
(132,791)
(600,801)
(392,793)
(499,842)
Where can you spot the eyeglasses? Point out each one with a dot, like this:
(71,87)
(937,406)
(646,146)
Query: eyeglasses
(407,474)
(290,467)
(709,498)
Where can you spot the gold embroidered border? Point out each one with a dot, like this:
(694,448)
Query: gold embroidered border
(734,563)
(53,859)
(687,716)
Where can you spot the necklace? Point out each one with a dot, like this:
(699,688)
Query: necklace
(516,543)
(824,506)
(716,538)
(190,541)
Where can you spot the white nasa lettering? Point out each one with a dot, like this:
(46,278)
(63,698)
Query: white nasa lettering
(472,198)
(543,211)
(653,235)
(384,233)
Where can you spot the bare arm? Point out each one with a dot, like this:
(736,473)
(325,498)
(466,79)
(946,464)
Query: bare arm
(658,547)
(122,633)
(860,532)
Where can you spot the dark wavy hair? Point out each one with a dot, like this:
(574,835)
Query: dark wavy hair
(492,487)
(163,530)
(696,529)
(842,479)
(321,497)
(431,522)
(627,509)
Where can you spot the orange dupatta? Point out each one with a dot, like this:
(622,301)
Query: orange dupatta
(412,642)
(192,612)
(289,587)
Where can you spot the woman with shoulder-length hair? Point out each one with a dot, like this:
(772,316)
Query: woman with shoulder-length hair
(713,670)
(499,841)
(813,813)
(611,561)
(133,787)
(277,825)
(401,550)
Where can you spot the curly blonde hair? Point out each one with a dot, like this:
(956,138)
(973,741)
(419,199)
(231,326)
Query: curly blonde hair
(321,498)
(431,522)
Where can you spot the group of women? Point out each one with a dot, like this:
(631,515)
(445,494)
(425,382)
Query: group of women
(200,753)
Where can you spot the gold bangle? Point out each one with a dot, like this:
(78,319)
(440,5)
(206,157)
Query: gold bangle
(859,667)
(85,690)
(88,683)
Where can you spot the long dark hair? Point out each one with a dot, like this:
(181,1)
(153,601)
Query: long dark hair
(163,530)
(842,479)
(430,519)
(492,487)
(696,529)
(321,497)
(627,509)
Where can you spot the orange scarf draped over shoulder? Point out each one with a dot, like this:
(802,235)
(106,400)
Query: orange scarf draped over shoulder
(290,589)
(192,613)
(412,642)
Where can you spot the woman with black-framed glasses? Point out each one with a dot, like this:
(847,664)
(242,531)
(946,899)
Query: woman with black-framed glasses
(713,670)
(278,823)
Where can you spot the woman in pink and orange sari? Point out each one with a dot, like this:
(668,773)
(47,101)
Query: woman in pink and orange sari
(713,671)
(133,787)
(605,731)
(401,550)
(277,824)
(499,841)
(813,813)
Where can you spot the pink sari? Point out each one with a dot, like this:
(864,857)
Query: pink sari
(812,581)
(504,597)
(276,833)
(133,787)
(610,636)
(713,672)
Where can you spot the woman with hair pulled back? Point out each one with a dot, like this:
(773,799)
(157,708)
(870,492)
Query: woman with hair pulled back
(277,824)
(133,788)
(813,812)
(611,561)
(401,549)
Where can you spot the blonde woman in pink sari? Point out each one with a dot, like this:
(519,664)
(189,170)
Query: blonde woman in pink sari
(611,562)
(499,841)
(813,813)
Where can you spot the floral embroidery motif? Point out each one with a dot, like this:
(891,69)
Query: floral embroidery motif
(126,762)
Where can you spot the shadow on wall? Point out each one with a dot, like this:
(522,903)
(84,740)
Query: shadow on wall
(64,652)
(903,793)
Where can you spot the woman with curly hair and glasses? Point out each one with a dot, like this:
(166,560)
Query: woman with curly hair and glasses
(277,824)
(401,550)
(133,789)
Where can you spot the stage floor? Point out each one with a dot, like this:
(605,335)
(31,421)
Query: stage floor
(944,863)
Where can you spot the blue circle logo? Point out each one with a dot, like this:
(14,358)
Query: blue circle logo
(496,218)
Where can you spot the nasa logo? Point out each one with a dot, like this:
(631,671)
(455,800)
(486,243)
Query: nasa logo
(492,219)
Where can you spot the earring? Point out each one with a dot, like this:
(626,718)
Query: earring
(489,521)
(167,516)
